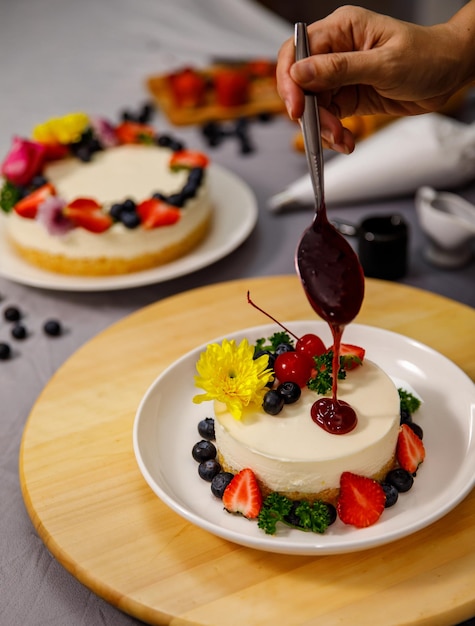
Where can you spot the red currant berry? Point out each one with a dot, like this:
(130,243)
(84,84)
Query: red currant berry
(293,367)
(311,345)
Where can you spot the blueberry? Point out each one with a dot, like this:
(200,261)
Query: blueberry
(159,196)
(130,219)
(417,429)
(331,512)
(284,347)
(289,391)
(164,141)
(391,494)
(206,428)
(189,190)
(12,314)
(400,478)
(292,517)
(203,451)
(52,328)
(406,417)
(38,181)
(209,469)
(116,211)
(19,331)
(269,354)
(176,145)
(146,113)
(273,402)
(5,351)
(129,204)
(84,154)
(213,132)
(196,175)
(176,199)
(220,482)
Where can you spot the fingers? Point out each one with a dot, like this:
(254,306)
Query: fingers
(334,135)
(288,90)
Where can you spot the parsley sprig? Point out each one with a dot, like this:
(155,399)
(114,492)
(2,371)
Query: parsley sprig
(408,401)
(303,515)
(272,342)
(323,379)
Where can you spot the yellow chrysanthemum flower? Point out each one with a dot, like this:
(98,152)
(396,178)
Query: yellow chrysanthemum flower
(64,130)
(228,373)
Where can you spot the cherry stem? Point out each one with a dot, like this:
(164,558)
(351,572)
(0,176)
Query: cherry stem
(270,316)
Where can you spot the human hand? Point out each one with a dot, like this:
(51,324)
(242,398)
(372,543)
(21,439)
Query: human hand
(364,63)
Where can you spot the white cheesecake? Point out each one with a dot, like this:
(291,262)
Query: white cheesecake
(289,453)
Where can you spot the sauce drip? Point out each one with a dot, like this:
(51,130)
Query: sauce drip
(333,281)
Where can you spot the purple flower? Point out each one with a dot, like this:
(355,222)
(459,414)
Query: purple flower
(50,215)
(104,131)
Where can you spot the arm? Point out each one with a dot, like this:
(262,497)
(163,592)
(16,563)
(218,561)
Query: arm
(363,63)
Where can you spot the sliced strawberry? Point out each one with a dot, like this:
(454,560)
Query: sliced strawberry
(361,500)
(28,206)
(188,87)
(410,451)
(232,87)
(154,213)
(133,132)
(93,220)
(85,204)
(352,355)
(243,495)
(188,159)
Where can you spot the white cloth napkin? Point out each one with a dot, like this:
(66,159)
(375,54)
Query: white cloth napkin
(430,149)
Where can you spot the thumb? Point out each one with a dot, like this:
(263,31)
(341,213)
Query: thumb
(322,72)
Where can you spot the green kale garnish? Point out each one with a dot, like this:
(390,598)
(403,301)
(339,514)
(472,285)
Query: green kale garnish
(408,401)
(272,342)
(308,516)
(323,379)
(9,196)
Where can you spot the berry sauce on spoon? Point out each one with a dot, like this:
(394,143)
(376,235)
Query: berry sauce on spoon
(329,269)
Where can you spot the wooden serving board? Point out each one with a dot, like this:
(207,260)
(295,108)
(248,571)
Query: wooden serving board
(95,513)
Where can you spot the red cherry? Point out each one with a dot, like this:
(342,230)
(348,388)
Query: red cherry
(294,367)
(311,345)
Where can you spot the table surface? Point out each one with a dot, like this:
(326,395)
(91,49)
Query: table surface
(93,510)
(95,71)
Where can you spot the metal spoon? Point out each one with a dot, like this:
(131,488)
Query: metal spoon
(329,269)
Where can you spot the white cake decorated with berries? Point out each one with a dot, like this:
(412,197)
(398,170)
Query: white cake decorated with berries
(83,197)
(289,453)
(280,429)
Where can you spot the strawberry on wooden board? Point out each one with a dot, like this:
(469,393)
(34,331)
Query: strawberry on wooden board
(28,206)
(92,219)
(154,213)
(361,500)
(188,87)
(243,495)
(410,451)
(232,87)
(188,159)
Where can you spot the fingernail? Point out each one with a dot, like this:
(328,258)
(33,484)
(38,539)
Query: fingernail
(340,147)
(289,108)
(328,137)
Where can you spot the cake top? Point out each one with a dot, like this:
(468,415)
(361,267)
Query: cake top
(36,171)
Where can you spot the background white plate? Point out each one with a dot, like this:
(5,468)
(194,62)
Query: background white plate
(234,219)
(165,431)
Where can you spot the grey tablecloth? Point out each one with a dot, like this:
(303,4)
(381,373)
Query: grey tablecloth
(58,56)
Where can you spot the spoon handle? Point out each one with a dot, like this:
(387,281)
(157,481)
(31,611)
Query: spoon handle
(310,121)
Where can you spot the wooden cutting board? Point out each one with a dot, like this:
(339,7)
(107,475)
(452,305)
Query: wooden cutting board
(95,513)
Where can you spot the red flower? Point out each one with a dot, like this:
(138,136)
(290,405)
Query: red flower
(24,161)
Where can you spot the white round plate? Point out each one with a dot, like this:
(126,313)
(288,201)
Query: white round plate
(234,220)
(165,431)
